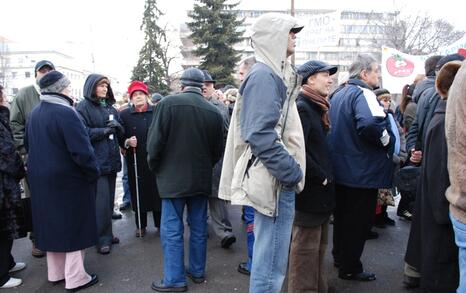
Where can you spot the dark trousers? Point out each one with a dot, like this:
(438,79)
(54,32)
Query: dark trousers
(105,197)
(157,215)
(353,218)
(6,260)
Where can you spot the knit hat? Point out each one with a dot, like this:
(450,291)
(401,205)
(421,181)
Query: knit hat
(314,66)
(381,92)
(156,98)
(448,58)
(137,85)
(192,77)
(53,82)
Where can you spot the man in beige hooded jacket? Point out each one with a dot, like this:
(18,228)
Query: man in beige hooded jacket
(264,159)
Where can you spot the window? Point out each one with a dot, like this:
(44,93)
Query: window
(27,74)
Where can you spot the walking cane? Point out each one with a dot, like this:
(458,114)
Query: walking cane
(137,186)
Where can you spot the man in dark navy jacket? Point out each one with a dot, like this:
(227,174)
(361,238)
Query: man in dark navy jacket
(361,149)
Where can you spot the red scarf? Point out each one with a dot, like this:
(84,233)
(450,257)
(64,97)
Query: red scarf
(142,109)
(320,100)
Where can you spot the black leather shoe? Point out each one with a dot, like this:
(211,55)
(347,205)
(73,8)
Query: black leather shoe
(372,235)
(243,269)
(159,286)
(94,280)
(116,215)
(411,282)
(363,277)
(197,280)
(228,241)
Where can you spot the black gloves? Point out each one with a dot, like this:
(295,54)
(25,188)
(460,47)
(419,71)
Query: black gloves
(114,124)
(109,130)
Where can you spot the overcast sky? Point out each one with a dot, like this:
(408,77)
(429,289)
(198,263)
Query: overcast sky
(110,29)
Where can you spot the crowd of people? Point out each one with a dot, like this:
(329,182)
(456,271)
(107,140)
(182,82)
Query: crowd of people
(288,146)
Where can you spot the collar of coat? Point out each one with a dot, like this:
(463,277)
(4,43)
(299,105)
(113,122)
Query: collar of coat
(360,83)
(192,89)
(132,110)
(56,98)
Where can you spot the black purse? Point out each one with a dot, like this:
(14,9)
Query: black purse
(407,177)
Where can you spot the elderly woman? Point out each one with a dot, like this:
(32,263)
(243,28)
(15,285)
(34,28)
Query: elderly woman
(11,171)
(63,171)
(136,121)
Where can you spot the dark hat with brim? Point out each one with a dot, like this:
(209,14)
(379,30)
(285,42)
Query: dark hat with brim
(43,63)
(314,66)
(208,78)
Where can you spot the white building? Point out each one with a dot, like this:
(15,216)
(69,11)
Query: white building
(17,64)
(333,36)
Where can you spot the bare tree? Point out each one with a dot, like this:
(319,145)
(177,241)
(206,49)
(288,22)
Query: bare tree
(417,34)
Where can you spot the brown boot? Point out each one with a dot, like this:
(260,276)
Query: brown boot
(37,252)
(140,232)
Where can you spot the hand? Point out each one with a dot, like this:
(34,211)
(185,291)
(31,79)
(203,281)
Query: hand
(109,130)
(132,141)
(325,182)
(416,156)
(115,124)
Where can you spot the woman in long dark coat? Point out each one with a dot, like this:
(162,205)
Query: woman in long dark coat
(11,171)
(136,121)
(62,171)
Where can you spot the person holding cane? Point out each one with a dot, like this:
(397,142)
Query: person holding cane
(136,121)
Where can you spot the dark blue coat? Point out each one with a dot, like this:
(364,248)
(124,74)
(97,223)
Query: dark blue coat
(358,156)
(62,171)
(137,124)
(95,118)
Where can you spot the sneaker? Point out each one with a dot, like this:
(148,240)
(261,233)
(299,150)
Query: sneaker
(227,241)
(12,282)
(406,215)
(116,215)
(18,267)
(159,286)
(125,206)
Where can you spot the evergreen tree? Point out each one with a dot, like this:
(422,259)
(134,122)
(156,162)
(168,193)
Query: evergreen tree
(150,67)
(215,31)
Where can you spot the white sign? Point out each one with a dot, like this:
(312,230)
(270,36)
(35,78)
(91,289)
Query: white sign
(320,30)
(399,69)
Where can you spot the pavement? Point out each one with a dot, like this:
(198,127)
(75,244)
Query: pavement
(136,262)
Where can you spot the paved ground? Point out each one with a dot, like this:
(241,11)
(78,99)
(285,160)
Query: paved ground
(135,263)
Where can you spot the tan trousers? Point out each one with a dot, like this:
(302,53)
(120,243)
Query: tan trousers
(306,272)
(68,266)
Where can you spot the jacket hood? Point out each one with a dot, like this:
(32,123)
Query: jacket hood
(269,37)
(421,87)
(89,88)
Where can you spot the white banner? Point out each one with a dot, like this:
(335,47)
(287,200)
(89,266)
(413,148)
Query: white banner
(320,30)
(399,69)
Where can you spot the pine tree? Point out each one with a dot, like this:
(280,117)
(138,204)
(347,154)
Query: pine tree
(150,67)
(215,31)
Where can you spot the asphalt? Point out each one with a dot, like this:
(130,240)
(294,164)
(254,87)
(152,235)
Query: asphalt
(136,262)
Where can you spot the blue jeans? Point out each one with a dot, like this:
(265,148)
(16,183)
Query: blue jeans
(171,235)
(249,218)
(271,246)
(124,181)
(460,240)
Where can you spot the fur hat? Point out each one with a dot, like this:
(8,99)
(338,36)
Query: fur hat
(53,82)
(192,77)
(445,77)
(137,85)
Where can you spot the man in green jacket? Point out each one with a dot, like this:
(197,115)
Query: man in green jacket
(26,99)
(184,142)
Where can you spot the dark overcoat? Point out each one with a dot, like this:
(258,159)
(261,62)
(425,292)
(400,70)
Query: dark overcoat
(137,124)
(184,142)
(62,171)
(11,171)
(439,262)
(316,202)
(96,116)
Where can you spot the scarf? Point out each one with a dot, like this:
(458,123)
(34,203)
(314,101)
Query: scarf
(320,100)
(141,109)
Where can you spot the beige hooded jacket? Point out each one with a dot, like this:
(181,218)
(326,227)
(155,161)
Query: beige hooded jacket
(245,180)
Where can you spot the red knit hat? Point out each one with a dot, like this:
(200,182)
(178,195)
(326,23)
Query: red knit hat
(137,86)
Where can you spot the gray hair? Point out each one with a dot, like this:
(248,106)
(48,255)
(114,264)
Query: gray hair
(362,62)
(248,62)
